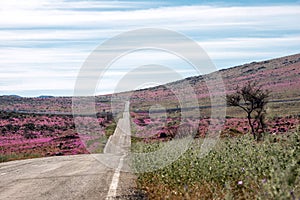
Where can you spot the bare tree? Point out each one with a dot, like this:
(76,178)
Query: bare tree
(253,100)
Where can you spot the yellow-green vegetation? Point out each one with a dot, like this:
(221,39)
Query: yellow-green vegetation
(237,168)
(110,129)
(100,144)
(14,156)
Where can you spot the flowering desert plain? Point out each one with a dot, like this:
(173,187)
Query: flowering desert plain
(237,168)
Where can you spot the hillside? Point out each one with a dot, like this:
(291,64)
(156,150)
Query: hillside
(280,75)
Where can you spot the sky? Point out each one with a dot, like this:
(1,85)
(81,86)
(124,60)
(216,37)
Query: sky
(44,43)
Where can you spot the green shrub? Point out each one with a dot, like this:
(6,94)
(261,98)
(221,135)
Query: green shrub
(237,168)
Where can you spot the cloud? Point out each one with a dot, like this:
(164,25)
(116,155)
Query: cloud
(43,38)
(251,48)
(15,5)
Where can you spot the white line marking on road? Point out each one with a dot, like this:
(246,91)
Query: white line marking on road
(112,192)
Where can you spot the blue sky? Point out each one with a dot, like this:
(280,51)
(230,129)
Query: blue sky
(43,43)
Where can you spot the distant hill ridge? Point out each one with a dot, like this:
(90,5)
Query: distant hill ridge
(279,75)
(45,96)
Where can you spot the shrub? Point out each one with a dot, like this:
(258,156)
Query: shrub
(237,168)
(252,99)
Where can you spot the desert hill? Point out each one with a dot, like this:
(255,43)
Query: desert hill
(280,75)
